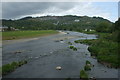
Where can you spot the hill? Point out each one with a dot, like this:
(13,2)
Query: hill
(67,22)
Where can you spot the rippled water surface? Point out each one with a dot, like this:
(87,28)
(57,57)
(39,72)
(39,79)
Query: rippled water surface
(44,54)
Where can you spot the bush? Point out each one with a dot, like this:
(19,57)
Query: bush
(88,62)
(104,49)
(83,75)
(104,27)
(93,50)
(7,68)
(14,64)
(77,41)
(87,67)
(89,42)
(75,49)
(71,47)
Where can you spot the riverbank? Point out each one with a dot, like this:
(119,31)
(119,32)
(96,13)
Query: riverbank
(104,48)
(13,35)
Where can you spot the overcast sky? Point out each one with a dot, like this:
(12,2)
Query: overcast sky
(15,10)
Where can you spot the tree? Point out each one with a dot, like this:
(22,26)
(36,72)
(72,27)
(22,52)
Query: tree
(116,31)
(103,27)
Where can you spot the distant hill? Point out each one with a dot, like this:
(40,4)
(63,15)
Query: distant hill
(67,22)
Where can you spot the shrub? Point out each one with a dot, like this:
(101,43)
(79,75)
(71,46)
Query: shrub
(77,41)
(7,68)
(88,62)
(15,64)
(75,49)
(87,68)
(89,42)
(105,49)
(71,47)
(83,75)
(93,50)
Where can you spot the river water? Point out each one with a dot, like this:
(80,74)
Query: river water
(44,54)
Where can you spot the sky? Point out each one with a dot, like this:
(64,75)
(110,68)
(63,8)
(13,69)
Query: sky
(16,10)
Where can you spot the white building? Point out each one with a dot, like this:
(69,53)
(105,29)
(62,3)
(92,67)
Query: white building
(3,28)
(76,20)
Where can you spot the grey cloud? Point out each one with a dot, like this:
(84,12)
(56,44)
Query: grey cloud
(11,10)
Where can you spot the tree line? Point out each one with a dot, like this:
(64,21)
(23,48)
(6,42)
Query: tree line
(68,22)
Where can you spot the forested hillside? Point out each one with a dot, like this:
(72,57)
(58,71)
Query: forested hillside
(68,22)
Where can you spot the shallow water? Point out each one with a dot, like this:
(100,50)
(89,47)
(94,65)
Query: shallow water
(44,54)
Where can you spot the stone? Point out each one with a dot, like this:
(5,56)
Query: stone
(18,52)
(88,64)
(58,68)
(92,78)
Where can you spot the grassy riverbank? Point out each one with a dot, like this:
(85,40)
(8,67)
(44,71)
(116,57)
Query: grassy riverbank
(7,68)
(104,48)
(10,35)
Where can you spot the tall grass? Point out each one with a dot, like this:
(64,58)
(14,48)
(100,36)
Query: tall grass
(7,68)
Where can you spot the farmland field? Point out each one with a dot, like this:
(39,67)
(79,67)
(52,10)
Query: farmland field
(10,35)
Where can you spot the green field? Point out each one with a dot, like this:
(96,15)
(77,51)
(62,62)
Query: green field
(10,35)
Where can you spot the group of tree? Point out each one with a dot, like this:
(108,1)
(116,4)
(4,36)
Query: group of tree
(116,31)
(56,23)
(113,28)
(104,27)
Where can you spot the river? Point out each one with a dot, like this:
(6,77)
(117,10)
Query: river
(44,54)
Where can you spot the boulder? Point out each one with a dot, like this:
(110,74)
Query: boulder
(58,68)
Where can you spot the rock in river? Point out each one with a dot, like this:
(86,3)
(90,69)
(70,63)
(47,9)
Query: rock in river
(58,68)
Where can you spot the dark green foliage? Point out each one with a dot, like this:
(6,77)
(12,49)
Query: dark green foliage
(15,64)
(74,48)
(116,31)
(7,68)
(71,47)
(88,62)
(116,25)
(87,67)
(89,42)
(104,49)
(116,36)
(83,75)
(104,27)
(93,50)
(51,23)
(77,41)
